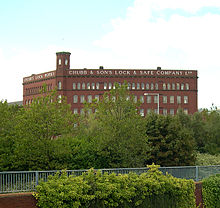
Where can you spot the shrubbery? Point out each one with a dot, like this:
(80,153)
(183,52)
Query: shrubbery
(93,189)
(204,159)
(211,191)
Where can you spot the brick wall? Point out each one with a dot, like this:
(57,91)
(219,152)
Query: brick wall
(18,200)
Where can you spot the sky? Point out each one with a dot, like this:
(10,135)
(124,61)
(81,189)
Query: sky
(126,34)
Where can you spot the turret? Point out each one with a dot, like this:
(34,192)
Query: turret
(63,60)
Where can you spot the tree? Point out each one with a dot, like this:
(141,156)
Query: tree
(37,128)
(171,143)
(116,130)
(8,115)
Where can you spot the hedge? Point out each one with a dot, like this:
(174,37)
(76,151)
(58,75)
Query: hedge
(211,191)
(92,189)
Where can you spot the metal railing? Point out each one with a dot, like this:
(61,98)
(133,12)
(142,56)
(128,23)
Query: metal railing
(26,181)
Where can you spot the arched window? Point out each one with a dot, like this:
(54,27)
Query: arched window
(75,98)
(59,85)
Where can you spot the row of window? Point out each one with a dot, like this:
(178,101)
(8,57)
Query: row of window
(149,99)
(36,90)
(165,111)
(142,111)
(131,86)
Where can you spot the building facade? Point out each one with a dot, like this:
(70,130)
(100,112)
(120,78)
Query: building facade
(163,91)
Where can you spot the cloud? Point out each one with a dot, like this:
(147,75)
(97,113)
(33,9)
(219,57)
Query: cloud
(183,41)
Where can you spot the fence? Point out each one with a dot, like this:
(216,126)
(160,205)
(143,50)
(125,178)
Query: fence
(26,181)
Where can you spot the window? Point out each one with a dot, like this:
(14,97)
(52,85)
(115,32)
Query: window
(59,85)
(128,98)
(185,99)
(59,98)
(142,112)
(83,86)
(97,98)
(138,86)
(173,86)
(171,99)
(135,98)
(59,61)
(164,99)
(185,110)
(142,99)
(89,98)
(66,62)
(129,86)
(182,86)
(109,85)
(187,86)
(155,99)
(75,98)
(178,99)
(133,86)
(168,86)
(82,98)
(93,86)
(114,85)
(177,86)
(148,99)
(147,86)
(149,111)
(113,98)
(152,86)
(82,111)
(88,86)
(142,86)
(78,86)
(171,111)
(164,111)
(105,85)
(156,86)
(156,111)
(75,110)
(164,86)
(97,85)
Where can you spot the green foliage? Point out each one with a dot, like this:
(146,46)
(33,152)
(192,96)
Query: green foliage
(171,142)
(8,115)
(204,159)
(30,137)
(116,131)
(93,189)
(211,191)
(44,135)
(206,128)
(44,121)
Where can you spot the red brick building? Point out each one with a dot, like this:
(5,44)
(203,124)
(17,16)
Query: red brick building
(158,89)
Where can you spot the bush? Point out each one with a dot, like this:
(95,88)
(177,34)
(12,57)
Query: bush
(92,189)
(204,159)
(211,191)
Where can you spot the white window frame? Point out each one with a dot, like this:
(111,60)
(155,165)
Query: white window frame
(164,99)
(75,98)
(185,99)
(172,99)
